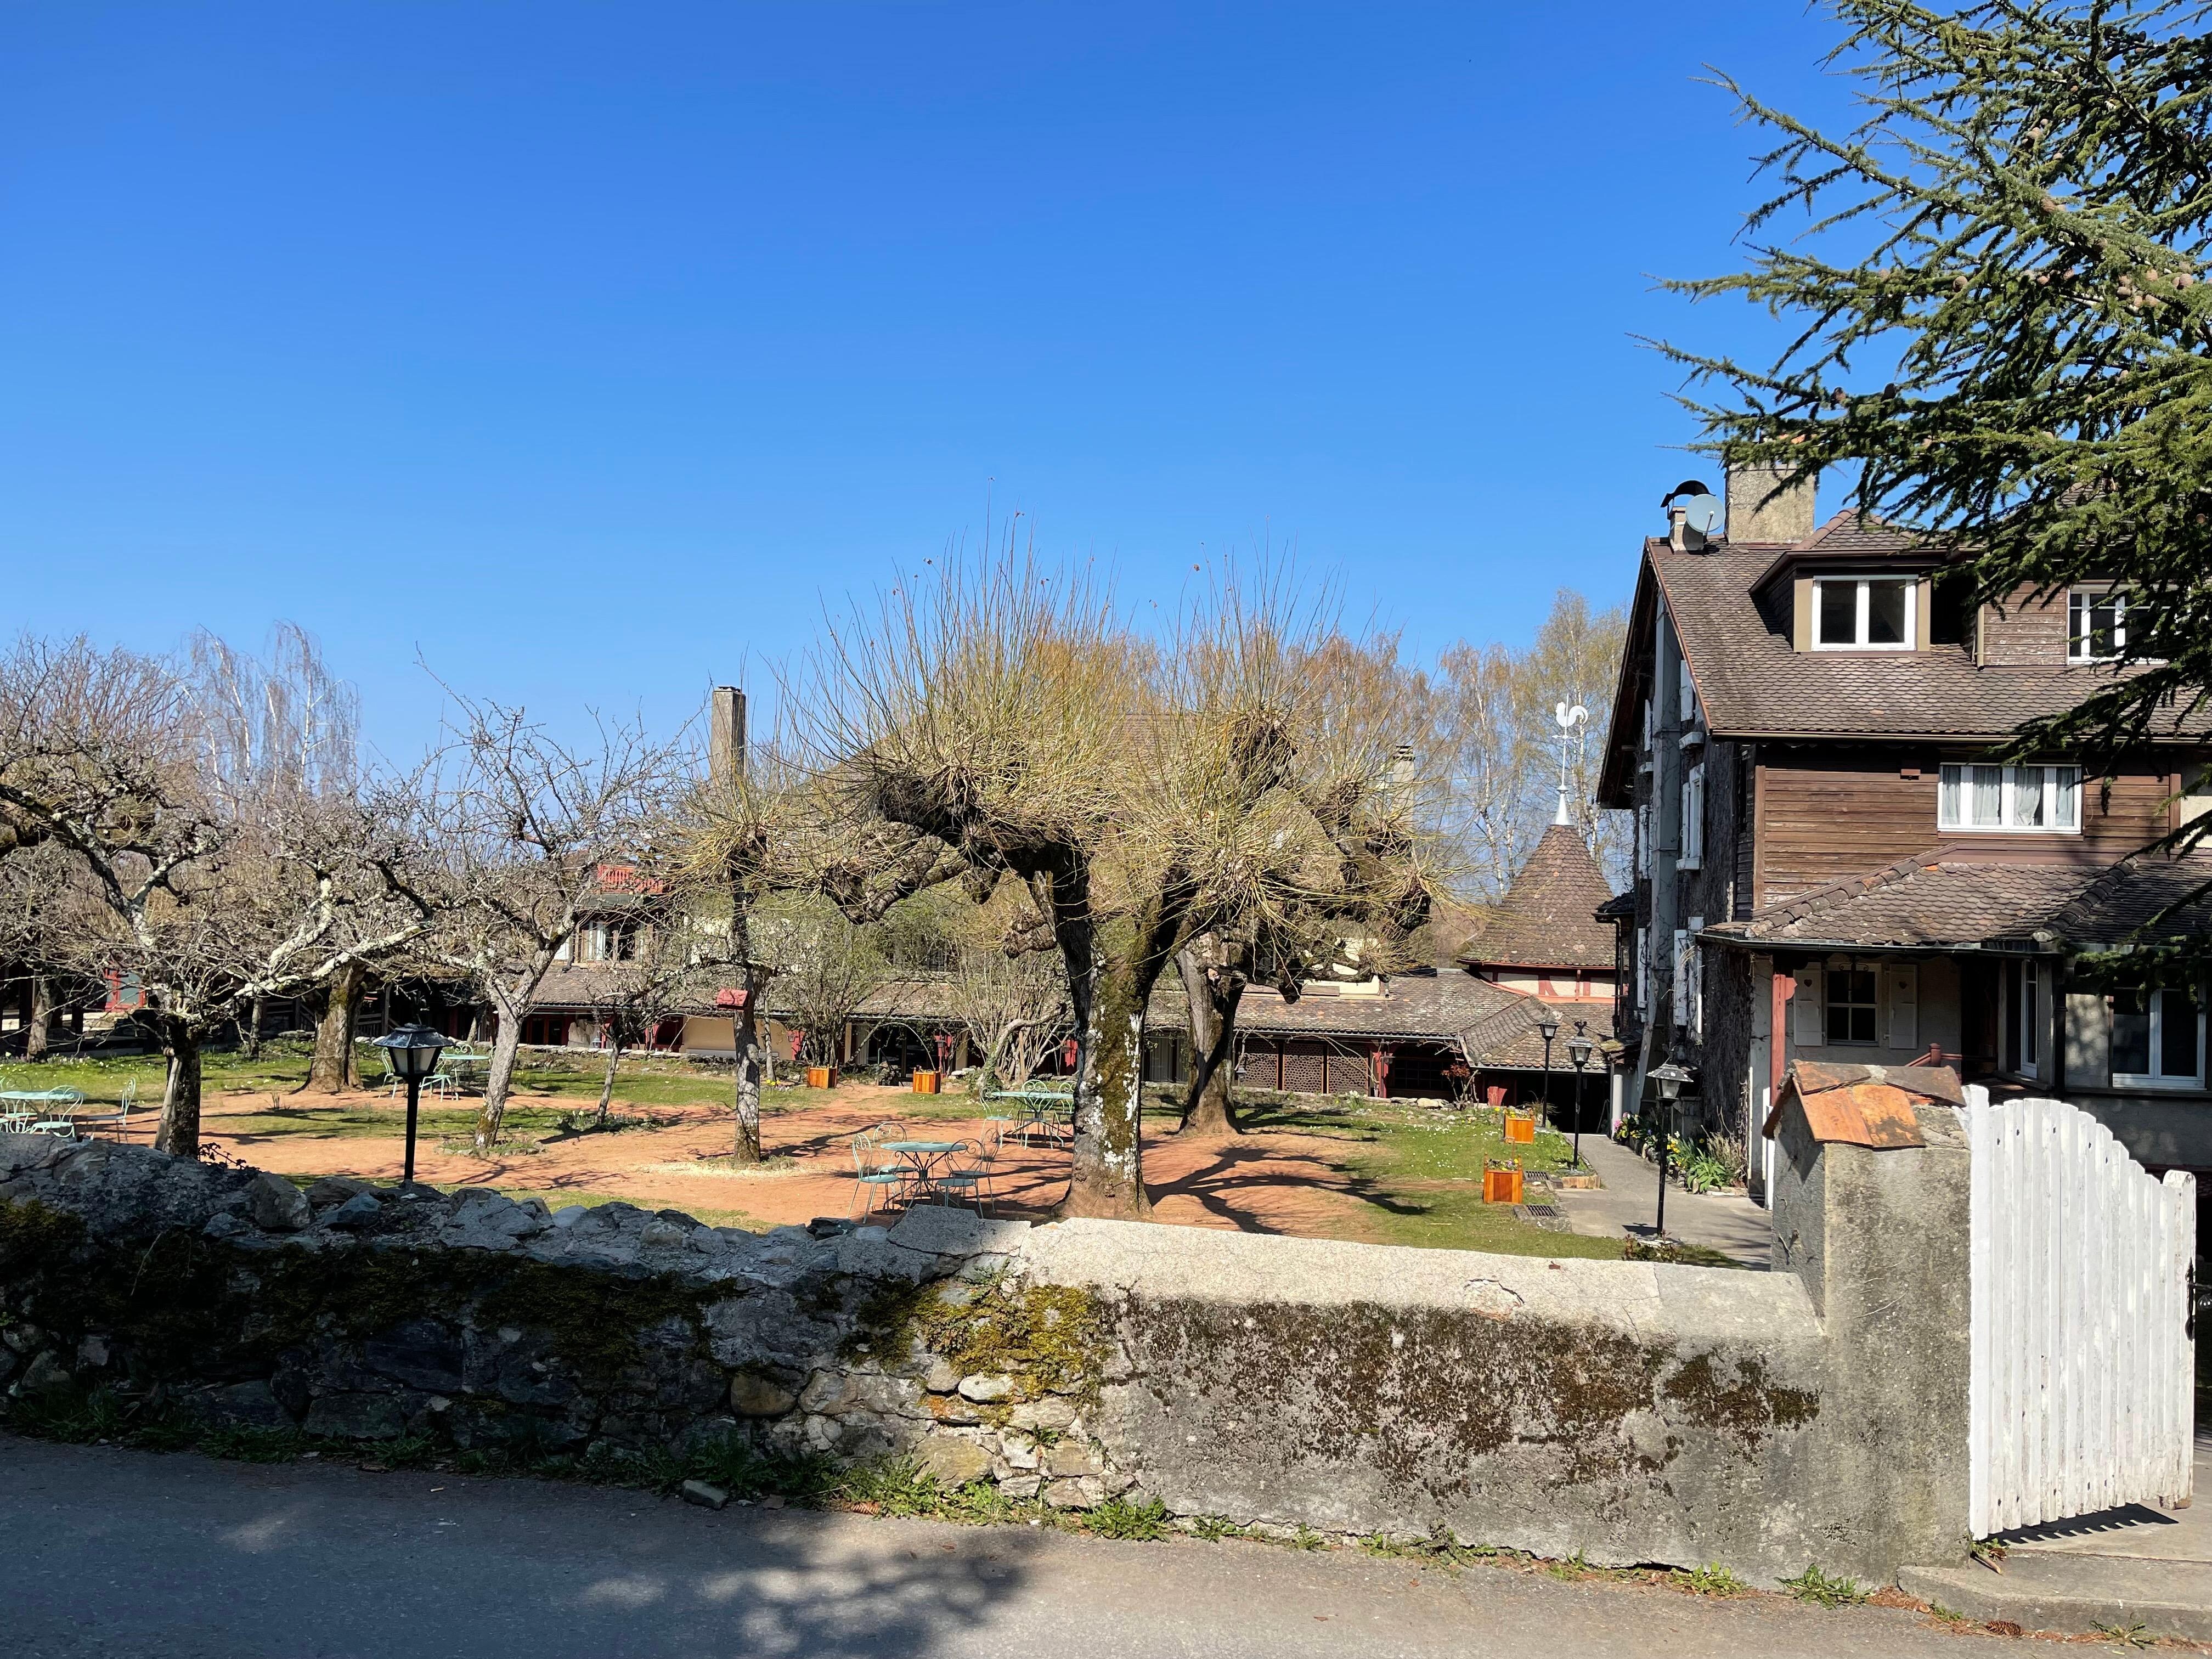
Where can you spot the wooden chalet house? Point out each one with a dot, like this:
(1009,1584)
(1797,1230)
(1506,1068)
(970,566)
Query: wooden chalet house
(1829,864)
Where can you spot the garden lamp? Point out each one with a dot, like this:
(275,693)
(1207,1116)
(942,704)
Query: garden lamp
(1669,1078)
(1549,1028)
(411,1052)
(1578,1050)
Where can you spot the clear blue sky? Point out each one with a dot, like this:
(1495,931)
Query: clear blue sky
(586,348)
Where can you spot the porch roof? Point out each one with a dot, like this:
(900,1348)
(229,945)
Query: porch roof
(1948,900)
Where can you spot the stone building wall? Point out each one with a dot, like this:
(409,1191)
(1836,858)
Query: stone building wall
(1635,1412)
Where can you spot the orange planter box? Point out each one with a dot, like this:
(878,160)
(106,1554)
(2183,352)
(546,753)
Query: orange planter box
(1502,1183)
(1521,1128)
(821,1077)
(924,1083)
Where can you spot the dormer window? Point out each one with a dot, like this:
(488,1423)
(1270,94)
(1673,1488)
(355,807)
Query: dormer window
(2096,624)
(1863,613)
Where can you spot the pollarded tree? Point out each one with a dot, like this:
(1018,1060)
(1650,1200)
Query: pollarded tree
(1331,871)
(1999,316)
(1139,795)
(991,720)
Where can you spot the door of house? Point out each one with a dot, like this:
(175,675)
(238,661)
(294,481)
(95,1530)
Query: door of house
(2083,1362)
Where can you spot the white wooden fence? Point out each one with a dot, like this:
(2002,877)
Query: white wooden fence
(2082,1373)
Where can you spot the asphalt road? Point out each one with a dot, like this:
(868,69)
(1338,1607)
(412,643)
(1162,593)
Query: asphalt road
(110,1553)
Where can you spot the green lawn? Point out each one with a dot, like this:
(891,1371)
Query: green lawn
(1420,1168)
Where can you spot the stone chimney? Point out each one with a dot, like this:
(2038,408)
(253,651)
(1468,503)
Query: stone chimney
(1755,514)
(726,739)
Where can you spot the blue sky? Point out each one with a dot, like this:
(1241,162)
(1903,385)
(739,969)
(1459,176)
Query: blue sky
(584,350)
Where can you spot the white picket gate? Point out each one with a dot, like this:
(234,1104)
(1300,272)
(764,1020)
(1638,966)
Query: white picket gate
(2082,1370)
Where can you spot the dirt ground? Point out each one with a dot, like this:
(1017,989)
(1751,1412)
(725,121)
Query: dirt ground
(1280,1182)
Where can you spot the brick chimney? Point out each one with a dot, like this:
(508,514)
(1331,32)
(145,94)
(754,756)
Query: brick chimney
(1755,514)
(725,738)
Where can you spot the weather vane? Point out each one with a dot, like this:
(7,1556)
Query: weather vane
(1571,721)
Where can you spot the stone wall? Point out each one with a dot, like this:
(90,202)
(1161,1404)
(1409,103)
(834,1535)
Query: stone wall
(1634,1412)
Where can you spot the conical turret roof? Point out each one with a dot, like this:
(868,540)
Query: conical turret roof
(1545,920)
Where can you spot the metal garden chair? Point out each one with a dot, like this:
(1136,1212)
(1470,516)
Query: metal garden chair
(116,1121)
(969,1180)
(877,1177)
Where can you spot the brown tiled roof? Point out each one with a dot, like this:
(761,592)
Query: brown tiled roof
(1943,898)
(1494,1027)
(1547,917)
(1509,1040)
(1412,1007)
(1752,683)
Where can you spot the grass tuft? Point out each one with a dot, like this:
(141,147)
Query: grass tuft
(1820,1589)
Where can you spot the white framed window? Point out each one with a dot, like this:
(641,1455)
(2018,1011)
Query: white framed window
(1865,613)
(1851,1006)
(2036,800)
(2096,624)
(2158,1039)
(1693,818)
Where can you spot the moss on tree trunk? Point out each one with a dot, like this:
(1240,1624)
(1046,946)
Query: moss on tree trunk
(179,1132)
(332,1069)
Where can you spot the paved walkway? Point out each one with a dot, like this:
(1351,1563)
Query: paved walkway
(2134,1565)
(114,1554)
(1630,1198)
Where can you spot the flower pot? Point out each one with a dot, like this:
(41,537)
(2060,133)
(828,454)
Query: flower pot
(821,1077)
(924,1083)
(1502,1182)
(1521,1126)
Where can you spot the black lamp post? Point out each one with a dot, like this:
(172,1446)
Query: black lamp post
(1549,1025)
(1670,1078)
(411,1051)
(1578,1050)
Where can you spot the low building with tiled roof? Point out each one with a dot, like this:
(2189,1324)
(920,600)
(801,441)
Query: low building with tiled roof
(1835,861)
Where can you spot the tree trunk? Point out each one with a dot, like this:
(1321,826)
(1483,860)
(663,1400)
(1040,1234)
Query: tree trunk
(39,1031)
(747,1051)
(1213,987)
(253,1044)
(333,1069)
(750,1057)
(614,1060)
(499,1076)
(1106,1177)
(178,1133)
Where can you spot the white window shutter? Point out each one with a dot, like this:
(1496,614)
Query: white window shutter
(1681,977)
(1685,705)
(1807,1024)
(1903,987)
(1693,817)
(1643,968)
(1693,972)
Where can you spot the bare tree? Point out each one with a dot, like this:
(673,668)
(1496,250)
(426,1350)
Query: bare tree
(827,966)
(659,966)
(1139,795)
(536,829)
(1331,872)
(214,877)
(1492,735)
(1013,1005)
